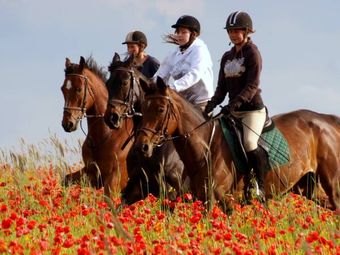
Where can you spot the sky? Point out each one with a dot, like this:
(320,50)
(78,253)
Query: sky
(299,42)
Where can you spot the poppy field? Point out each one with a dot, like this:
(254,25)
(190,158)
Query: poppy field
(40,216)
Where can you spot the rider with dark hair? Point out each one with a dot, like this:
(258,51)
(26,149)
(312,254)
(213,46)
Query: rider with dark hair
(188,69)
(239,76)
(136,43)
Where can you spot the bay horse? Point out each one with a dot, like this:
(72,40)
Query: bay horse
(125,99)
(313,138)
(86,96)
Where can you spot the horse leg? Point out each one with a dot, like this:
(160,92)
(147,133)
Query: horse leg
(224,201)
(123,175)
(330,181)
(132,191)
(94,176)
(112,183)
(173,167)
(306,186)
(73,178)
(77,177)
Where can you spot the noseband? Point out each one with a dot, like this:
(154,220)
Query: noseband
(131,98)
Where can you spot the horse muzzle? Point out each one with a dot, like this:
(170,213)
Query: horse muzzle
(145,149)
(113,120)
(69,126)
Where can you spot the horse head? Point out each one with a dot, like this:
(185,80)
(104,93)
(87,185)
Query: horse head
(159,117)
(125,94)
(78,92)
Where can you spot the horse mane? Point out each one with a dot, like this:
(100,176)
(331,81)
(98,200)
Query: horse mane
(92,65)
(196,108)
(95,68)
(187,104)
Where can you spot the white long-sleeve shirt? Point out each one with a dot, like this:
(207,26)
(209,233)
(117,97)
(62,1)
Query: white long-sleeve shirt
(189,72)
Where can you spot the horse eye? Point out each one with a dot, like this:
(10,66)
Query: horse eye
(161,110)
(78,90)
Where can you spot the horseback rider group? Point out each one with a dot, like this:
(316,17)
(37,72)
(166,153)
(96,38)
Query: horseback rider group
(188,70)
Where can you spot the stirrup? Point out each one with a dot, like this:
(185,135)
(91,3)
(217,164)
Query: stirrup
(260,194)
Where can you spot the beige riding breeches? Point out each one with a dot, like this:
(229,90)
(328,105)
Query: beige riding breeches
(252,123)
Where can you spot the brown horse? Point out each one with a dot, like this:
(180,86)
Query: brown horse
(125,99)
(313,138)
(85,95)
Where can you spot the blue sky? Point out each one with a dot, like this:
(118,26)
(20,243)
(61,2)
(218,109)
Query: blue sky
(299,42)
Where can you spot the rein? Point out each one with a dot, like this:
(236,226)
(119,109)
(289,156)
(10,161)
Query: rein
(163,134)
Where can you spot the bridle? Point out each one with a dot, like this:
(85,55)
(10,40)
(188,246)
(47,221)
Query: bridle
(131,98)
(162,133)
(82,107)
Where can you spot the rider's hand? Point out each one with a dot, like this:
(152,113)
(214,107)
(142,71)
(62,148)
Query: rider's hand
(225,110)
(234,104)
(209,109)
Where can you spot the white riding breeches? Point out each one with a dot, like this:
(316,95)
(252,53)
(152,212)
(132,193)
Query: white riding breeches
(252,124)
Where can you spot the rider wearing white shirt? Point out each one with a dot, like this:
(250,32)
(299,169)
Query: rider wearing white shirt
(188,69)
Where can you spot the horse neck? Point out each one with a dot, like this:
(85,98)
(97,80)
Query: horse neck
(138,104)
(140,96)
(188,119)
(98,93)
(200,147)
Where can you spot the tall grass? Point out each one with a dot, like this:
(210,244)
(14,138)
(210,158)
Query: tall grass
(52,151)
(39,216)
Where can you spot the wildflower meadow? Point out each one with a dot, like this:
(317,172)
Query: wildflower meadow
(38,215)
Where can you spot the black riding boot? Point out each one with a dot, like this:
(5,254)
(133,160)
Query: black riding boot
(257,160)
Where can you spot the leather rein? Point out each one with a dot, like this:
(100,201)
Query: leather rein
(163,134)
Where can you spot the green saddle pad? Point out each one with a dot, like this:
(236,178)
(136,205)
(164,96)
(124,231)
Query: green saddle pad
(273,141)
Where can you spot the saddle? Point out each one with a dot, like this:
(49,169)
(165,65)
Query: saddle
(271,141)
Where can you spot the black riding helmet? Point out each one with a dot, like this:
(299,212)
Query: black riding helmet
(136,37)
(189,22)
(239,20)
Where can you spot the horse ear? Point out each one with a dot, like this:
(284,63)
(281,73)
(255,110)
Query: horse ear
(161,84)
(67,62)
(145,84)
(115,58)
(82,63)
(130,60)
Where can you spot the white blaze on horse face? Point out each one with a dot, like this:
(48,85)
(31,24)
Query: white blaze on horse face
(68,84)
